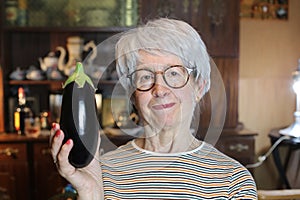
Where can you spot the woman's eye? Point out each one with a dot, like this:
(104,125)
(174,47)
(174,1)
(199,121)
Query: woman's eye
(174,73)
(142,78)
(145,78)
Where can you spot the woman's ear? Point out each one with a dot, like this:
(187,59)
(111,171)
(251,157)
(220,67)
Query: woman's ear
(199,89)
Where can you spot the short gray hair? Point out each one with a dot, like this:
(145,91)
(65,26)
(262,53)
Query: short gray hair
(163,36)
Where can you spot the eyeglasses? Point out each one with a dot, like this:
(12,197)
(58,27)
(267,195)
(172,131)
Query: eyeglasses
(175,76)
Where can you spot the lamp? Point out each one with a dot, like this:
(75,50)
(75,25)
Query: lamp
(294,129)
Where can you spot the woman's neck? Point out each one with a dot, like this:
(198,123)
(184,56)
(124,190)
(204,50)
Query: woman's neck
(166,142)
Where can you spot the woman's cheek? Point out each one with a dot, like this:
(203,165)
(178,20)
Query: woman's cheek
(141,102)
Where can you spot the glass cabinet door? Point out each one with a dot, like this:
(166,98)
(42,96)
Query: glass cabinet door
(70,13)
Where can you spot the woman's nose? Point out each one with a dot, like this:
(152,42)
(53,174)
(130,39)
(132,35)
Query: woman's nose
(160,88)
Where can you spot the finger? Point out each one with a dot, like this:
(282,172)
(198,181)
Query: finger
(55,127)
(56,144)
(65,168)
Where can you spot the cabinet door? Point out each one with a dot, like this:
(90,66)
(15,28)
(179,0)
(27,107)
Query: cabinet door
(14,180)
(229,70)
(238,147)
(165,8)
(217,21)
(48,182)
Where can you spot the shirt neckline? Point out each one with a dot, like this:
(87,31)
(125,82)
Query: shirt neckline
(166,154)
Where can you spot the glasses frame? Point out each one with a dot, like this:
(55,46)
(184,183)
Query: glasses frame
(189,71)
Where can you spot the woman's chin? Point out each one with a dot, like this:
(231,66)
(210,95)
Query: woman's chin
(163,124)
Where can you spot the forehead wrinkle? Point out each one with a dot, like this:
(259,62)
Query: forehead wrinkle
(156,59)
(154,66)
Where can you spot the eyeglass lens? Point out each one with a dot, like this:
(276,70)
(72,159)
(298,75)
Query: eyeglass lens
(174,76)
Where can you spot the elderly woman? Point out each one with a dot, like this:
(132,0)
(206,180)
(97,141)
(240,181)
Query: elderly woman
(165,68)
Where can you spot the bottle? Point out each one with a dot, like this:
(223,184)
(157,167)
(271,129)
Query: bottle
(129,12)
(44,122)
(22,12)
(22,112)
(11,12)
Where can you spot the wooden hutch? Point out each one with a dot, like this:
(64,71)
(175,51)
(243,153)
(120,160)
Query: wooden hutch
(26,168)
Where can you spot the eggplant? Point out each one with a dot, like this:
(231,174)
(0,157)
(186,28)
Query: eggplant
(78,119)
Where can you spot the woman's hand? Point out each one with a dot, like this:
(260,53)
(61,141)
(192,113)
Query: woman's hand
(88,180)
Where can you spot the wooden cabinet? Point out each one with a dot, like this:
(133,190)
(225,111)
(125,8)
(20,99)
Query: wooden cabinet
(216,21)
(26,168)
(47,179)
(238,144)
(14,170)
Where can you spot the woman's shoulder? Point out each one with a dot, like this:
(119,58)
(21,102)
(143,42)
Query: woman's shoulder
(211,156)
(211,153)
(118,151)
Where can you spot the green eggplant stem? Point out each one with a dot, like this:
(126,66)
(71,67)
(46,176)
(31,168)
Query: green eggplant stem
(79,77)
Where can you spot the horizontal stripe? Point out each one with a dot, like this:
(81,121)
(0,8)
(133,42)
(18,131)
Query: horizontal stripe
(205,173)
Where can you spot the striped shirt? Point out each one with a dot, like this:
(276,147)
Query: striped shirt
(130,172)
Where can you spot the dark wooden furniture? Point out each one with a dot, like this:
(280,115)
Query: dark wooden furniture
(281,164)
(289,194)
(14,174)
(27,170)
(216,21)
(238,144)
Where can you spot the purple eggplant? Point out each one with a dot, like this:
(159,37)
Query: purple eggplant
(78,118)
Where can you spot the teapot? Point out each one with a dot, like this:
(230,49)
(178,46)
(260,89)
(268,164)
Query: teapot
(50,61)
(49,65)
(75,47)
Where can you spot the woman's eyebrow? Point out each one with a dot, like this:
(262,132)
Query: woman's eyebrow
(144,66)
(152,65)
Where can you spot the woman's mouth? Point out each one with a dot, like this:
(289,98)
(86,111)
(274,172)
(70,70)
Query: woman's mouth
(163,106)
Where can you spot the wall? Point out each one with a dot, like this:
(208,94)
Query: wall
(269,52)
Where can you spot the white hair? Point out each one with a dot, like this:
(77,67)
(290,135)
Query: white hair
(162,36)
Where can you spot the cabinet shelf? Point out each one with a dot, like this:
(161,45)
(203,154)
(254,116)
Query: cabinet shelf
(53,85)
(31,82)
(115,29)
(56,85)
(50,82)
(272,10)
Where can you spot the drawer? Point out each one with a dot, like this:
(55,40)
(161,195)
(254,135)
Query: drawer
(237,147)
(13,151)
(42,151)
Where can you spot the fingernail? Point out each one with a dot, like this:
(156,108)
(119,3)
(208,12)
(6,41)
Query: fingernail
(68,141)
(53,125)
(57,133)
